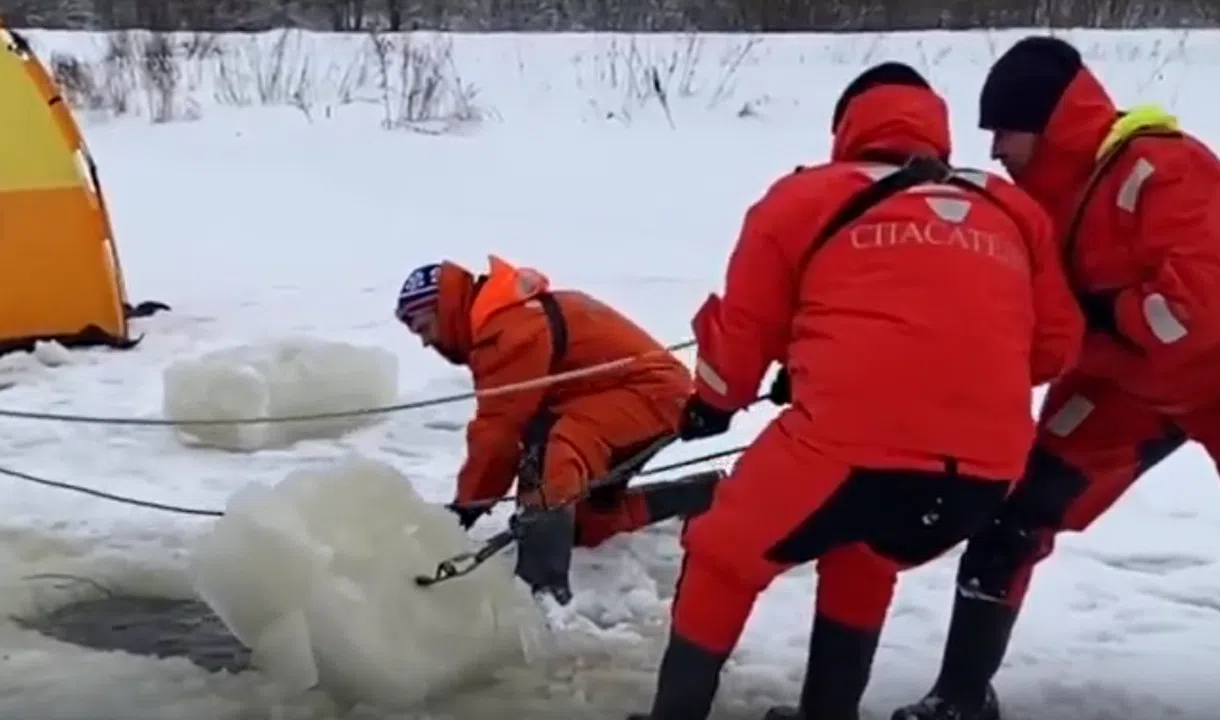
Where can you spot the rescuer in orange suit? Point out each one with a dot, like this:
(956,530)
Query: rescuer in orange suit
(914,308)
(508,326)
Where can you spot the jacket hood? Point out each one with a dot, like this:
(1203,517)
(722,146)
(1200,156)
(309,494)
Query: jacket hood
(896,120)
(1067,149)
(457,288)
(465,303)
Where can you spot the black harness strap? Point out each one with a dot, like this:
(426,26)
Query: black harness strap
(558,325)
(537,432)
(604,496)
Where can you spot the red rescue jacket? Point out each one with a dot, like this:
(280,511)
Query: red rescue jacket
(917,332)
(1150,230)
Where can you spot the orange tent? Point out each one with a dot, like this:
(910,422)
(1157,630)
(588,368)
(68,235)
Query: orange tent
(61,273)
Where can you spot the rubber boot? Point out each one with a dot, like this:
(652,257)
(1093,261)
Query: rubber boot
(687,682)
(934,707)
(683,497)
(836,673)
(978,639)
(544,551)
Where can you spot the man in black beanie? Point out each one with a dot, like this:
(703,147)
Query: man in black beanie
(1135,204)
(912,303)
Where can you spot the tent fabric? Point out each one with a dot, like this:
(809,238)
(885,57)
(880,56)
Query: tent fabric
(59,271)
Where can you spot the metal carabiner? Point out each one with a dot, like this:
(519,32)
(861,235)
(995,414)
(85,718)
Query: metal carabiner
(466,562)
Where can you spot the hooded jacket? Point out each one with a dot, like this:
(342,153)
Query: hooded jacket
(916,332)
(1148,239)
(498,327)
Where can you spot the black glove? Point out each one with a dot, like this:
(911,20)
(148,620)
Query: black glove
(467,516)
(1100,313)
(781,388)
(700,420)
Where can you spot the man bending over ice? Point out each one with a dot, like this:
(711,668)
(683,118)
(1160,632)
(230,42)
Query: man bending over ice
(509,327)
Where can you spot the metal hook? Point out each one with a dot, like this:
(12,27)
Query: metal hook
(466,562)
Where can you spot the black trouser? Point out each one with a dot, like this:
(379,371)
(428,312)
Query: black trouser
(995,571)
(862,525)
(907,516)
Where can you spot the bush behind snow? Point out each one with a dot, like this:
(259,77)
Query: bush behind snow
(437,82)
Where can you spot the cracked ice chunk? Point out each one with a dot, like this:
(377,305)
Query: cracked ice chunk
(319,570)
(284,377)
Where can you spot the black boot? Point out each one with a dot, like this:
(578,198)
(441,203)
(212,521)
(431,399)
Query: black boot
(836,673)
(682,497)
(978,639)
(686,683)
(544,551)
(933,707)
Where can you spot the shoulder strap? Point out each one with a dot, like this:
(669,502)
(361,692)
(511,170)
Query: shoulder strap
(558,325)
(538,429)
(917,170)
(1104,163)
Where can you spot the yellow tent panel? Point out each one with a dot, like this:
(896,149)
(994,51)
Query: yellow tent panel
(60,271)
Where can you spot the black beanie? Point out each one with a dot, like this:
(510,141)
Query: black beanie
(887,73)
(1025,84)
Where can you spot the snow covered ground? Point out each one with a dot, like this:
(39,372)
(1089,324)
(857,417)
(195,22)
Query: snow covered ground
(260,222)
